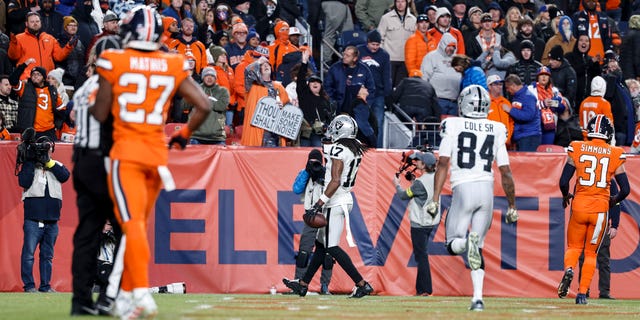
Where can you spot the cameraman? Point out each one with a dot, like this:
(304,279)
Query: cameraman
(309,183)
(42,178)
(422,224)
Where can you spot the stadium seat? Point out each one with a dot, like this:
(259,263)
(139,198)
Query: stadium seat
(170,128)
(552,148)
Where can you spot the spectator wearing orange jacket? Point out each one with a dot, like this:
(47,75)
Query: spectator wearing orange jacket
(416,46)
(496,112)
(281,46)
(41,46)
(187,42)
(443,25)
(239,80)
(226,77)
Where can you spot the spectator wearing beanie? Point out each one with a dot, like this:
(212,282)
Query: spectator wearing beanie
(396,26)
(225,75)
(630,50)
(562,74)
(212,130)
(238,84)
(526,68)
(237,48)
(76,60)
(379,63)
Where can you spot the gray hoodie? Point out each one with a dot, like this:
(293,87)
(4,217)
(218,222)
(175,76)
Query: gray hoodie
(436,68)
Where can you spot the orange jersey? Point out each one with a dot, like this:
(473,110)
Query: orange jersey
(592,106)
(143,85)
(595,161)
(44,108)
(597,47)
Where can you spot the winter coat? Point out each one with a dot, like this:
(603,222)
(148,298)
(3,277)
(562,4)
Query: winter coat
(369,12)
(538,46)
(567,46)
(473,75)
(581,26)
(436,68)
(630,50)
(196,48)
(434,35)
(564,78)
(526,70)
(414,51)
(585,69)
(257,89)
(74,64)
(335,82)
(414,91)
(525,114)
(380,66)
(212,129)
(395,33)
(311,105)
(43,47)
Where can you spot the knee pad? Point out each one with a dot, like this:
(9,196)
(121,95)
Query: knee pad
(302,259)
(328,262)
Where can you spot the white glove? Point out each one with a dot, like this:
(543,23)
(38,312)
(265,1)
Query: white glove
(512,216)
(432,208)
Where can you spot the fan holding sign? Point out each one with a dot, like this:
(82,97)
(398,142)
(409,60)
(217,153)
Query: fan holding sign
(266,104)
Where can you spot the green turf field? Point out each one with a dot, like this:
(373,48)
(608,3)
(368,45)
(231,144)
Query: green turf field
(239,306)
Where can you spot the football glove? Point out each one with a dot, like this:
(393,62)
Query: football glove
(566,200)
(511,216)
(432,208)
(179,139)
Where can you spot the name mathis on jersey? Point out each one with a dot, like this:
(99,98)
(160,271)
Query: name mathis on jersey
(595,149)
(148,64)
(479,127)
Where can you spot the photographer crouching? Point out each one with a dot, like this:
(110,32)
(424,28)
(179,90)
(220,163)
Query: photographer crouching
(422,223)
(41,178)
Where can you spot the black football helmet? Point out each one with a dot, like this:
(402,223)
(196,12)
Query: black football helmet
(600,127)
(141,29)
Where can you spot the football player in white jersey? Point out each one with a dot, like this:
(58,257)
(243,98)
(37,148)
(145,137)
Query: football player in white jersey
(470,143)
(343,155)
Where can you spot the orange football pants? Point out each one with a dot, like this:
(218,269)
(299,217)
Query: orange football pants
(585,233)
(134,188)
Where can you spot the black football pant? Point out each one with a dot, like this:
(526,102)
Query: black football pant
(94,208)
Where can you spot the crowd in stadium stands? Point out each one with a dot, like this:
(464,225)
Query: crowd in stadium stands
(555,48)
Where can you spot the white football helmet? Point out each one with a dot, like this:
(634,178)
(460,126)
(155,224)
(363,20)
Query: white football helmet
(474,102)
(342,126)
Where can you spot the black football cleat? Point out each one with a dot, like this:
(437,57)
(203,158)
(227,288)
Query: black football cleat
(565,283)
(364,290)
(295,286)
(581,298)
(477,305)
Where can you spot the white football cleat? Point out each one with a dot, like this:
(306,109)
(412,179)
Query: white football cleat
(473,251)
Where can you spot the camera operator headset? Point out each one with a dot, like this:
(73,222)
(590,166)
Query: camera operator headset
(422,223)
(41,178)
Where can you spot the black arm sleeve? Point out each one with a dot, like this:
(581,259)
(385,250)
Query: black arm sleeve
(14,78)
(625,188)
(565,178)
(614,212)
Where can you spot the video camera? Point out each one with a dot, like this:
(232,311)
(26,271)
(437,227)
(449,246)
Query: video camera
(32,149)
(407,164)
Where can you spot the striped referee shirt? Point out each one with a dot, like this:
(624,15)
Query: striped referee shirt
(89,133)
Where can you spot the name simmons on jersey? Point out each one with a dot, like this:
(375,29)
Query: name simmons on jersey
(351,164)
(473,145)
